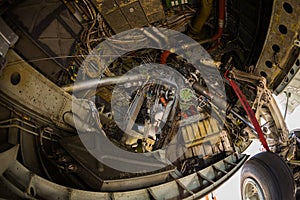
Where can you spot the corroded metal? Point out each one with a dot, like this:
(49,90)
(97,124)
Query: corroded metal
(32,91)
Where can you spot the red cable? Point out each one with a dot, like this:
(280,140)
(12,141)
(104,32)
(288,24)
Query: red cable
(249,111)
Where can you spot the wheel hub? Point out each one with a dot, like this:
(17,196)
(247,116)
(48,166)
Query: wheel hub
(252,190)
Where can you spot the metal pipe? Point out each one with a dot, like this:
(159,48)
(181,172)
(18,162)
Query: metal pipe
(25,130)
(83,85)
(217,101)
(77,123)
(243,119)
(18,120)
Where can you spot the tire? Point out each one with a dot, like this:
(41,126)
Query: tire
(267,177)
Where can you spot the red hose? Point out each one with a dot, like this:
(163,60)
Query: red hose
(221,20)
(164,56)
(217,36)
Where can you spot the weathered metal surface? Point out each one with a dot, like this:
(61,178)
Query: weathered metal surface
(153,10)
(134,13)
(110,11)
(34,92)
(130,14)
(27,184)
(136,182)
(278,54)
(289,81)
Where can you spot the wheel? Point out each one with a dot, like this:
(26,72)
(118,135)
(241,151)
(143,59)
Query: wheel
(267,177)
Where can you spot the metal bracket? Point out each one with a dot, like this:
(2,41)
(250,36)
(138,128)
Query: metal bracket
(262,97)
(244,76)
(297,43)
(7,38)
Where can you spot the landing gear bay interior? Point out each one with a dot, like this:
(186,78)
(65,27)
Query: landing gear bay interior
(148,99)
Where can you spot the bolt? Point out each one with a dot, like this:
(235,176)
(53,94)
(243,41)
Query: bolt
(72,167)
(64,159)
(127,85)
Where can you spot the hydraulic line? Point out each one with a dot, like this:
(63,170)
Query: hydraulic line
(243,119)
(217,101)
(105,81)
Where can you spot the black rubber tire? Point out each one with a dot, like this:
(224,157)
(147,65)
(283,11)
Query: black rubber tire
(272,175)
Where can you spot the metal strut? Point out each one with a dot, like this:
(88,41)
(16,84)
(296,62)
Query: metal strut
(249,111)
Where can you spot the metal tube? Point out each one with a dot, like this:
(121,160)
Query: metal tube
(243,119)
(217,101)
(25,130)
(83,85)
